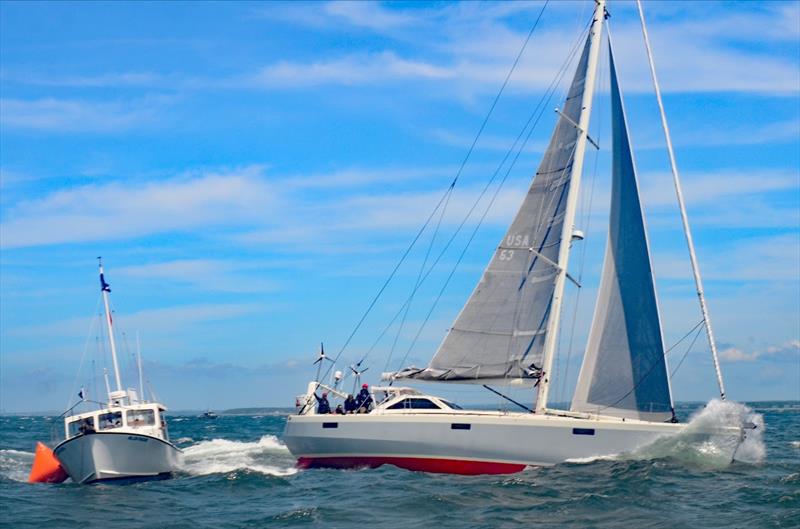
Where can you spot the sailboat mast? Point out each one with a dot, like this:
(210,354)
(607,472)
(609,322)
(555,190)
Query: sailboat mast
(105,290)
(572,203)
(684,217)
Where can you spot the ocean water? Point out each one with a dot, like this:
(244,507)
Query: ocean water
(238,473)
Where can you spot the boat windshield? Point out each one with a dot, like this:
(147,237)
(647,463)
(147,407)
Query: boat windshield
(111,420)
(451,405)
(80,426)
(141,418)
(414,403)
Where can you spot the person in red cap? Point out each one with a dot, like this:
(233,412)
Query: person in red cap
(364,399)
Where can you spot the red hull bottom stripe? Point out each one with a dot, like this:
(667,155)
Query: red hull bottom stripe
(418,464)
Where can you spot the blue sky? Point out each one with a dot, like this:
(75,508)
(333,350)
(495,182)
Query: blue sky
(251,172)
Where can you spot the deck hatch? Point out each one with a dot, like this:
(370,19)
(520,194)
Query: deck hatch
(460,426)
(583,431)
(330,425)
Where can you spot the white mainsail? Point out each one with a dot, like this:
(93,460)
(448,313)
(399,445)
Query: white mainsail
(500,333)
(624,370)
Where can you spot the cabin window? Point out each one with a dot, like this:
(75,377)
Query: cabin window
(141,418)
(451,405)
(414,404)
(80,426)
(109,421)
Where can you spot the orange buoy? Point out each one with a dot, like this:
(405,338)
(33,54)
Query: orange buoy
(46,468)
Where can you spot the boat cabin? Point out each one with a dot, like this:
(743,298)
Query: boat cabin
(145,418)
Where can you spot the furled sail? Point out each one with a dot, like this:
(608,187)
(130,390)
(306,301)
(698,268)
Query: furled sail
(500,332)
(624,371)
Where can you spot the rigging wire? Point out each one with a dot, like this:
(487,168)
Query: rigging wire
(85,348)
(655,364)
(686,353)
(447,192)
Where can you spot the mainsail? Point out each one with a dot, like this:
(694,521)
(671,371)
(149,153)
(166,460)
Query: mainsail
(624,371)
(501,330)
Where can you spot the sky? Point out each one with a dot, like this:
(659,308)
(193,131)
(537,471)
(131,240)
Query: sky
(251,173)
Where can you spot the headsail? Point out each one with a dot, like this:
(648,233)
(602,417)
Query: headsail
(624,370)
(500,332)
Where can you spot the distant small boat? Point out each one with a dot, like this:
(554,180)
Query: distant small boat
(126,438)
(208,414)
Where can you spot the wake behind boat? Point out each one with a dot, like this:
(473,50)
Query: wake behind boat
(506,333)
(125,438)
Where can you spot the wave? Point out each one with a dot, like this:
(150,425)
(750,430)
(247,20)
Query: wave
(268,456)
(15,464)
(708,440)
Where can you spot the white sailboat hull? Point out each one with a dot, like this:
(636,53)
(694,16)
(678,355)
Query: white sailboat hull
(463,442)
(117,455)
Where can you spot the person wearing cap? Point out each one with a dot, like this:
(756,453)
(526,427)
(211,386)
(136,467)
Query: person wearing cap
(323,406)
(364,399)
(350,405)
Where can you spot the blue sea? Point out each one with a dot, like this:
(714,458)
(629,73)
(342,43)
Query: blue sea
(238,473)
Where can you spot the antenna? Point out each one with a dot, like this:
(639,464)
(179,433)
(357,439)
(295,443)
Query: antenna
(105,289)
(139,365)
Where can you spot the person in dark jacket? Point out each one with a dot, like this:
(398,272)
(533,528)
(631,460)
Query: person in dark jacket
(364,399)
(323,406)
(350,405)
(339,410)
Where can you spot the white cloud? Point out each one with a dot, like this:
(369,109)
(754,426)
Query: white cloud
(377,68)
(204,274)
(734,354)
(118,211)
(169,320)
(64,115)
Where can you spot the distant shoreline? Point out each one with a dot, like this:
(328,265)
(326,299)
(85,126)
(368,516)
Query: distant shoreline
(248,411)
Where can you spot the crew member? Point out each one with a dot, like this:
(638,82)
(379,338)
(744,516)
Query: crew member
(364,399)
(323,406)
(350,405)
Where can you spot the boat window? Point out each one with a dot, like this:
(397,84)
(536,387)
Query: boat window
(109,421)
(451,405)
(415,404)
(84,425)
(141,418)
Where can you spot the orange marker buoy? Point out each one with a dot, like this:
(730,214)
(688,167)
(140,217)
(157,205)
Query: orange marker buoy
(46,468)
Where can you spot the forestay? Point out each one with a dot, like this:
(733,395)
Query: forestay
(624,371)
(500,332)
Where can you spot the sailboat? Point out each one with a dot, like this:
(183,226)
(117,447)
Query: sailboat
(125,438)
(506,333)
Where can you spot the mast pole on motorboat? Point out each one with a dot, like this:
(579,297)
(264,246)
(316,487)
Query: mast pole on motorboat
(105,289)
(572,202)
(684,217)
(139,365)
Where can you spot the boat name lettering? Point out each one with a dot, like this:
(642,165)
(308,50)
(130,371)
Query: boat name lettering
(137,438)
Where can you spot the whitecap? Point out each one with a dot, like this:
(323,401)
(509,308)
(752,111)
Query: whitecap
(710,439)
(220,456)
(15,464)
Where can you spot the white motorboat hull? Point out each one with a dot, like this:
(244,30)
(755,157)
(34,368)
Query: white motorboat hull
(463,443)
(107,456)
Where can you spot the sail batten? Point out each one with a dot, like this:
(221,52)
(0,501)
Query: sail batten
(501,331)
(624,371)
